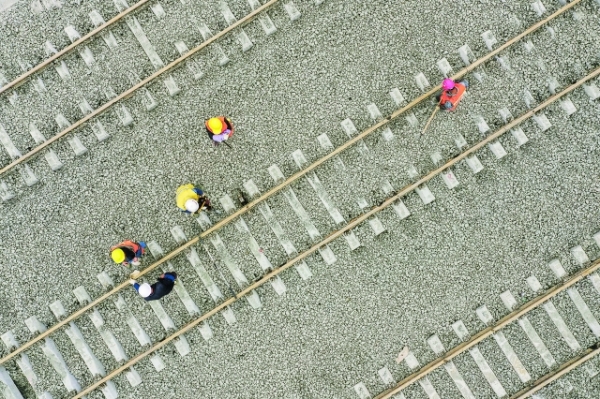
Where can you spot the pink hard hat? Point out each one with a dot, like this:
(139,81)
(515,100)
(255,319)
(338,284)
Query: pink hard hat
(448,84)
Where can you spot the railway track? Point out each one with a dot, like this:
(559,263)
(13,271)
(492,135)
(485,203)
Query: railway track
(272,277)
(101,28)
(91,110)
(544,298)
(247,290)
(306,169)
(518,315)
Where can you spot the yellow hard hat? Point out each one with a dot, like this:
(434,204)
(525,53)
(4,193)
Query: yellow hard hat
(117,255)
(215,125)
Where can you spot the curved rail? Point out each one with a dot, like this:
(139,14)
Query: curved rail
(22,78)
(295,177)
(128,93)
(357,221)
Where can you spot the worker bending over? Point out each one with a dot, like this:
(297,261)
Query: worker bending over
(163,286)
(219,129)
(191,200)
(452,93)
(128,252)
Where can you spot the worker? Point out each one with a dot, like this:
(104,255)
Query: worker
(163,286)
(452,93)
(191,200)
(128,252)
(219,129)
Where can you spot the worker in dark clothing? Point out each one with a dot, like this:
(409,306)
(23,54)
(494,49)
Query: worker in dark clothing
(153,292)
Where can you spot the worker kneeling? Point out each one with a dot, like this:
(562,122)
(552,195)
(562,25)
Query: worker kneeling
(452,93)
(191,200)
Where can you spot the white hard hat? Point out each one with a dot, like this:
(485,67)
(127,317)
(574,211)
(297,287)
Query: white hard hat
(191,205)
(145,290)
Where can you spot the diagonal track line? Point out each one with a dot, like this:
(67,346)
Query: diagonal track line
(555,375)
(22,78)
(128,93)
(385,121)
(297,175)
(477,338)
(247,207)
(354,223)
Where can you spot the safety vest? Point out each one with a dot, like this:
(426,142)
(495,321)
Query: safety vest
(130,245)
(453,96)
(225,121)
(184,193)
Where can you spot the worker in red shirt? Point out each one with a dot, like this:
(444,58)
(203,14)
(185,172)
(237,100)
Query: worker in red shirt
(128,252)
(219,129)
(452,93)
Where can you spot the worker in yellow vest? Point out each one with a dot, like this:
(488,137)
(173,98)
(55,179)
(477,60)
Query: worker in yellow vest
(191,200)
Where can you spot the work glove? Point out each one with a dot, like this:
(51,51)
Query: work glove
(219,137)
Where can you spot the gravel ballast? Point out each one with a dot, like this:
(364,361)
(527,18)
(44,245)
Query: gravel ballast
(351,318)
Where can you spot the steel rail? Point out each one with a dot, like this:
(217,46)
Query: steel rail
(22,78)
(480,336)
(354,223)
(129,92)
(384,122)
(247,207)
(513,316)
(554,375)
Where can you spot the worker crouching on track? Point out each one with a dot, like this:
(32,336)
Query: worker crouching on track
(163,286)
(452,93)
(128,252)
(219,129)
(191,200)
